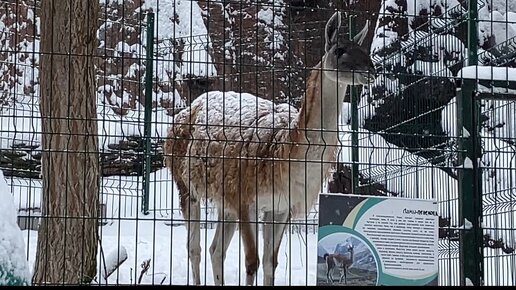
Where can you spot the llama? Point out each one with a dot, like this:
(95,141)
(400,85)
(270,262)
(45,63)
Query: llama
(250,157)
(340,261)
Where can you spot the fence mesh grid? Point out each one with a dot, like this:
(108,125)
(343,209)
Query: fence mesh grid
(408,143)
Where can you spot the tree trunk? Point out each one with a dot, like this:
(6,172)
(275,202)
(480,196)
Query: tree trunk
(68,237)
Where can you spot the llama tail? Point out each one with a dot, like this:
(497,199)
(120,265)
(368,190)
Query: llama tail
(175,154)
(178,138)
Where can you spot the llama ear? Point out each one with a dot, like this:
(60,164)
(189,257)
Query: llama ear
(359,38)
(332,27)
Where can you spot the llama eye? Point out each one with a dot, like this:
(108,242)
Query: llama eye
(340,51)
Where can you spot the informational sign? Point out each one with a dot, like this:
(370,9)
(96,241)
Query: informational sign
(369,240)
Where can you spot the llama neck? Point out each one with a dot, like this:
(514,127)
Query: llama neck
(318,118)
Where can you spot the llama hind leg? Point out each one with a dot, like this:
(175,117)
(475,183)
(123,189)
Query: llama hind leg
(192,215)
(343,275)
(329,272)
(248,233)
(273,229)
(224,232)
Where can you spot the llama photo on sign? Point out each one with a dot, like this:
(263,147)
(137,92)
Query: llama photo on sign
(343,259)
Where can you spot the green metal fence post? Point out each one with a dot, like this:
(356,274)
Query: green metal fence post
(472,33)
(148,111)
(470,186)
(354,118)
(470,183)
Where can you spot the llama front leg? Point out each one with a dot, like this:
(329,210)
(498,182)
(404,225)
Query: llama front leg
(224,232)
(248,232)
(192,215)
(273,229)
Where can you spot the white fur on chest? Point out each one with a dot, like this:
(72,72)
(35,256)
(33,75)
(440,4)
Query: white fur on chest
(298,193)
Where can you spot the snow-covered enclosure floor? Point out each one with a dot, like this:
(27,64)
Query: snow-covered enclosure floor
(152,237)
(165,246)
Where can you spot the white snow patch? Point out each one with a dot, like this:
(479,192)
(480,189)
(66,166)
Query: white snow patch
(465,133)
(468,164)
(13,260)
(488,73)
(190,29)
(115,258)
(467,224)
(498,23)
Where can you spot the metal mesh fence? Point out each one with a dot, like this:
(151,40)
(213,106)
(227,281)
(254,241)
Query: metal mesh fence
(160,68)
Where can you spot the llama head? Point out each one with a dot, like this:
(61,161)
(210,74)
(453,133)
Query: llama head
(346,61)
(350,248)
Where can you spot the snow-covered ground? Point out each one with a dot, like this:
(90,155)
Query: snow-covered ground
(161,237)
(165,246)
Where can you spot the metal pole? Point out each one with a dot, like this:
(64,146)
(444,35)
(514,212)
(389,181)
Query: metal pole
(470,181)
(470,187)
(354,118)
(148,111)
(472,33)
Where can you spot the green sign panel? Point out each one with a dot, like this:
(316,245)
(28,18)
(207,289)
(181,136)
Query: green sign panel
(376,241)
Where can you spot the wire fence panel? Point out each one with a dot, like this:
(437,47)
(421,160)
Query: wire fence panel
(498,163)
(219,124)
